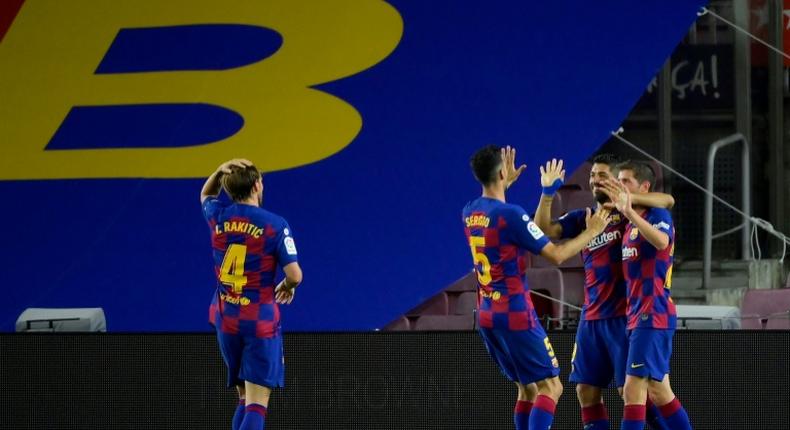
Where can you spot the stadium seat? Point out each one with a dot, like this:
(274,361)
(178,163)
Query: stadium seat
(400,324)
(659,185)
(467,283)
(465,304)
(707,317)
(436,305)
(764,305)
(574,262)
(549,279)
(576,199)
(580,177)
(573,284)
(444,322)
(779,322)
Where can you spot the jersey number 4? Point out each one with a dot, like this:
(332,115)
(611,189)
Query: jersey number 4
(484,271)
(232,271)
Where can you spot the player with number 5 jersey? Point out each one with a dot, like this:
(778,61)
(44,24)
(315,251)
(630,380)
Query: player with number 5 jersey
(249,244)
(498,234)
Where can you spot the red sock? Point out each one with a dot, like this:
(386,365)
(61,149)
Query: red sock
(594,413)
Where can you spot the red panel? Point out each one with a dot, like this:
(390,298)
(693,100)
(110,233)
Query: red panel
(8,11)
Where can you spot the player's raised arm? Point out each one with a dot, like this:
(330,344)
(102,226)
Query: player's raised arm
(552,177)
(613,188)
(656,237)
(596,223)
(509,166)
(213,184)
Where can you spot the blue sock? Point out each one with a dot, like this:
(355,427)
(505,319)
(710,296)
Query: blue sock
(542,413)
(254,417)
(653,417)
(595,417)
(675,416)
(521,414)
(633,417)
(238,415)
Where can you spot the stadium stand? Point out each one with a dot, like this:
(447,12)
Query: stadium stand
(766,309)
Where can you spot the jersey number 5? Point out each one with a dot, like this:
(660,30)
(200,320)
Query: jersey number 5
(232,271)
(484,272)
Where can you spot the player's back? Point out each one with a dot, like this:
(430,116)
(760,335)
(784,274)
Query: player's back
(249,243)
(498,233)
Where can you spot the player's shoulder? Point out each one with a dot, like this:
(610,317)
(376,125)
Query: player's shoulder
(213,205)
(271,218)
(659,213)
(577,213)
(512,211)
(214,201)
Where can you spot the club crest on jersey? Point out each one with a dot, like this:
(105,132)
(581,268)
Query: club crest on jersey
(634,233)
(615,219)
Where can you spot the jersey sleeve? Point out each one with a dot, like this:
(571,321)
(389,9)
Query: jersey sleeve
(522,231)
(211,207)
(572,223)
(286,247)
(662,220)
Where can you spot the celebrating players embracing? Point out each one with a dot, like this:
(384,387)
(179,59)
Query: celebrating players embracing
(601,349)
(498,233)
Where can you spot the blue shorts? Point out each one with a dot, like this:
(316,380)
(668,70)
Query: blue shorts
(524,356)
(600,352)
(249,358)
(649,350)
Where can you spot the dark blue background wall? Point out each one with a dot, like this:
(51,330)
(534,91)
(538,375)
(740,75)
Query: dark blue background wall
(377,224)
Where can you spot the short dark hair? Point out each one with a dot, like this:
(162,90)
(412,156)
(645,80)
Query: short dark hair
(642,171)
(239,182)
(607,158)
(485,164)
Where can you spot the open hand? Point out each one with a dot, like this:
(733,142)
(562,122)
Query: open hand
(618,194)
(598,221)
(284,295)
(551,172)
(509,164)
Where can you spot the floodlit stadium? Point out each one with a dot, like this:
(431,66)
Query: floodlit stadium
(418,215)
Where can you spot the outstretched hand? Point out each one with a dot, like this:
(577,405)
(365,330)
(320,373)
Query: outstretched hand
(551,172)
(618,194)
(509,164)
(598,221)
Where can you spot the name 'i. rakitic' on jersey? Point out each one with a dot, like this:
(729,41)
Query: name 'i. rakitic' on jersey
(238,227)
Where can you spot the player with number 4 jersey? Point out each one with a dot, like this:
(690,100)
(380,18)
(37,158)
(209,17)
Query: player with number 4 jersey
(498,234)
(249,244)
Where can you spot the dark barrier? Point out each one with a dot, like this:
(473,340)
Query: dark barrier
(411,380)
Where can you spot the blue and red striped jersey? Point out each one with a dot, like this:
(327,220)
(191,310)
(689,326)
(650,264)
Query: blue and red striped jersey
(248,243)
(497,234)
(604,284)
(648,274)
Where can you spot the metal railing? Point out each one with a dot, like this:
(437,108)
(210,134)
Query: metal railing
(745,203)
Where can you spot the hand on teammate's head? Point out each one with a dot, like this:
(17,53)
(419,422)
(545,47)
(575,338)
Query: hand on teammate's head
(237,162)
